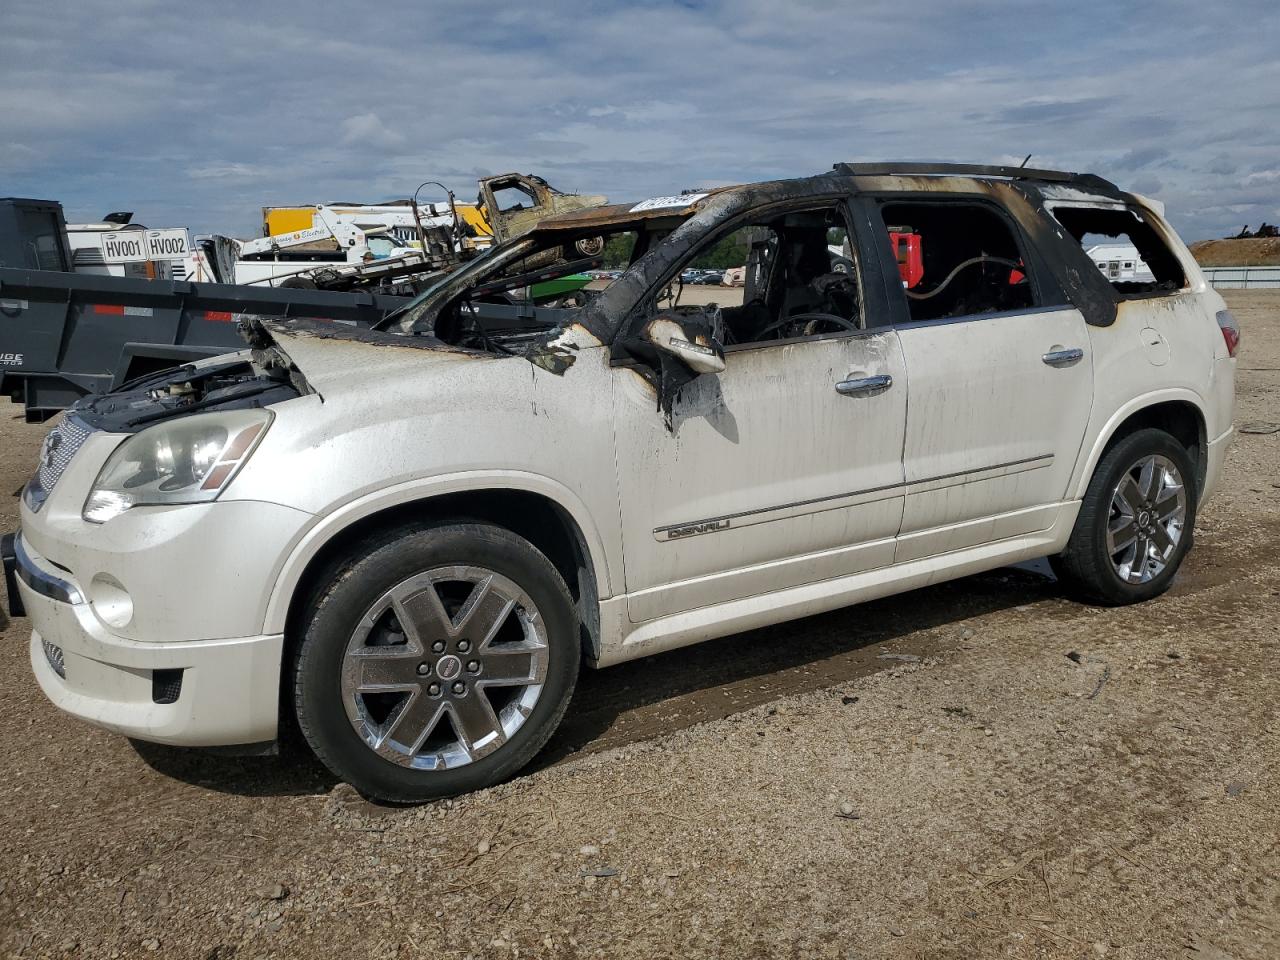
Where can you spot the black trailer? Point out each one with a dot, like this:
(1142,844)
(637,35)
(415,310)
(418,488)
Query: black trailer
(65,335)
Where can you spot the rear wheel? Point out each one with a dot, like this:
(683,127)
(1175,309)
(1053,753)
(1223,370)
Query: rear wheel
(438,661)
(1135,522)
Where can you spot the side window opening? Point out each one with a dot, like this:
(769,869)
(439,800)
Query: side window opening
(797,273)
(1126,248)
(514,197)
(957,259)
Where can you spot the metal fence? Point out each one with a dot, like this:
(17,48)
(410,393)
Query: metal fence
(1243,278)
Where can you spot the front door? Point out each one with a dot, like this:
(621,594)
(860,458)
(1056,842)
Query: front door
(785,468)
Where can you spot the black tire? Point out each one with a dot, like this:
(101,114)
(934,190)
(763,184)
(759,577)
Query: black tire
(298,283)
(348,593)
(1085,568)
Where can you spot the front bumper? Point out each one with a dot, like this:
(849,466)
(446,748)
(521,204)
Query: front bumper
(188,693)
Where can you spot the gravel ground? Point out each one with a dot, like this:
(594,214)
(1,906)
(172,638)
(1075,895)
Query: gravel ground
(979,769)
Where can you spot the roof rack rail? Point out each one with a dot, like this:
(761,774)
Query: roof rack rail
(970,170)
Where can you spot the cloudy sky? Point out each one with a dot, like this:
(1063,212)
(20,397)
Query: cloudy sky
(199,114)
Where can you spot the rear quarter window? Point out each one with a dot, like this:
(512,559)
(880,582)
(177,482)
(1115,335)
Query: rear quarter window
(1127,249)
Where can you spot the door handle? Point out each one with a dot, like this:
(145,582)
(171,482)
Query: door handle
(1063,358)
(864,385)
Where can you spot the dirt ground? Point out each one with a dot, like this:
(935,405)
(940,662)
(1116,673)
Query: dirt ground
(931,776)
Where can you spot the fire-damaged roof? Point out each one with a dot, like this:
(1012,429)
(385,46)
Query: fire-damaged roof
(618,213)
(681,205)
(971,170)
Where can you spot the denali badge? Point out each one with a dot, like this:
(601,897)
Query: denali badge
(693,529)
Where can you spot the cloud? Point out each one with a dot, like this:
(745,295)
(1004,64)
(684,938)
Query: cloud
(224,171)
(367,129)
(1050,112)
(1141,157)
(17,158)
(215,113)
(1147,186)
(1222,165)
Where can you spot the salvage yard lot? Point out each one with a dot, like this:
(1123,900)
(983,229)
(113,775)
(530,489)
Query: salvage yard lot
(977,769)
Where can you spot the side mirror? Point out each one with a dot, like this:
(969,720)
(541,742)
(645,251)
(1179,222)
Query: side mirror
(691,343)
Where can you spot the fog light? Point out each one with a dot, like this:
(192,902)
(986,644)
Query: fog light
(110,600)
(53,653)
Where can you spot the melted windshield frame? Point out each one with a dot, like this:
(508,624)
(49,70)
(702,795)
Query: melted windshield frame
(407,318)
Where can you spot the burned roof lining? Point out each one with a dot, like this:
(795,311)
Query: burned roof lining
(861,178)
(615,214)
(985,171)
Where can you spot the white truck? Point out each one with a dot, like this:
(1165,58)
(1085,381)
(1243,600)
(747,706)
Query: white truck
(340,249)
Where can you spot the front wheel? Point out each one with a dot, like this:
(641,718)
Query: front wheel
(438,661)
(1135,522)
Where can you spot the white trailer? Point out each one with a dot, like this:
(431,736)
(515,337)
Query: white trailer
(1120,261)
(112,249)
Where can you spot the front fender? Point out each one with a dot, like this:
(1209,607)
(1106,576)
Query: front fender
(333,522)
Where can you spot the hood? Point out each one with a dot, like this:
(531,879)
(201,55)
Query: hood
(337,356)
(333,356)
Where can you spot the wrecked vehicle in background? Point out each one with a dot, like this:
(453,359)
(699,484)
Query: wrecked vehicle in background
(396,246)
(509,205)
(411,536)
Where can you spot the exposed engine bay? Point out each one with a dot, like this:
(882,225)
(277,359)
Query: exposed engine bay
(248,379)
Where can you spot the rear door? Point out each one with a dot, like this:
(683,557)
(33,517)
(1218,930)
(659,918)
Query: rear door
(1001,377)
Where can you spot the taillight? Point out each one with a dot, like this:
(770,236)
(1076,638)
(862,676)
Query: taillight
(1230,331)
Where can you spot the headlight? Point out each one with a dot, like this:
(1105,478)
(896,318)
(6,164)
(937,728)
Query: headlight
(189,460)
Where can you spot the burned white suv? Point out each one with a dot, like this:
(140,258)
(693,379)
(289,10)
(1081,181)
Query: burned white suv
(411,537)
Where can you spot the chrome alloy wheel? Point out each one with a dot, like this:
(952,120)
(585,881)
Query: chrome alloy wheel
(444,668)
(1148,512)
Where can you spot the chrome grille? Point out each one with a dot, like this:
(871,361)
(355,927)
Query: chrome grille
(60,446)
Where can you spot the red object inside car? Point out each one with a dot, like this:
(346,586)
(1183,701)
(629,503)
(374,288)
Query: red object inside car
(909,254)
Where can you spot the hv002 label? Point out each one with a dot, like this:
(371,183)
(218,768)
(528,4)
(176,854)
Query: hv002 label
(135,246)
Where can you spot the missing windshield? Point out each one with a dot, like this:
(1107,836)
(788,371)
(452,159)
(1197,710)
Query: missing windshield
(537,291)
